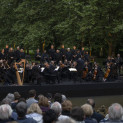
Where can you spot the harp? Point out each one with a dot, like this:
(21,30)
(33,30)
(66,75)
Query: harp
(20,79)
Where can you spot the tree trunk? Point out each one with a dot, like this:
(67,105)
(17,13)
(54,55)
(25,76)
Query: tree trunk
(110,48)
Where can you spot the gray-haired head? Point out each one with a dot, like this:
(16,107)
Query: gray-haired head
(67,120)
(21,109)
(5,112)
(6,101)
(10,96)
(63,98)
(56,106)
(115,111)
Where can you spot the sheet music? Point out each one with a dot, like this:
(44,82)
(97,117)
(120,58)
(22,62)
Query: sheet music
(57,68)
(42,69)
(72,69)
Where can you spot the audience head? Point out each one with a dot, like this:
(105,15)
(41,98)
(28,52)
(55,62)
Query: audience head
(77,114)
(56,106)
(17,95)
(21,109)
(5,112)
(87,109)
(32,93)
(22,100)
(50,116)
(67,105)
(115,112)
(34,108)
(63,98)
(58,98)
(6,101)
(67,120)
(43,101)
(91,102)
(10,96)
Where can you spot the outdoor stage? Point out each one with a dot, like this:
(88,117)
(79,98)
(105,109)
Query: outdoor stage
(68,88)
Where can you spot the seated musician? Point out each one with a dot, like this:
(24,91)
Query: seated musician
(97,73)
(49,73)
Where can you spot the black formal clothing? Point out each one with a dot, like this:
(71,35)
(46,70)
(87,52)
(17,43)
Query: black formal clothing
(22,55)
(37,56)
(11,57)
(2,56)
(63,53)
(58,57)
(45,57)
(97,116)
(69,56)
(52,54)
(17,55)
(74,55)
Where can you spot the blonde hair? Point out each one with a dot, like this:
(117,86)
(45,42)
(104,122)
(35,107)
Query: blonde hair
(67,105)
(34,108)
(43,101)
(88,111)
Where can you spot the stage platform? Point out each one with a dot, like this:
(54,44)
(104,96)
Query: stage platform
(68,88)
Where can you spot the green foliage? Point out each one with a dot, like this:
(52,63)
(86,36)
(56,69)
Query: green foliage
(93,23)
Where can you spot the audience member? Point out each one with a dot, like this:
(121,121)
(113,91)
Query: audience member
(88,111)
(35,112)
(21,109)
(58,98)
(32,94)
(50,116)
(43,104)
(56,106)
(95,115)
(77,114)
(16,98)
(66,107)
(5,113)
(115,114)
(69,120)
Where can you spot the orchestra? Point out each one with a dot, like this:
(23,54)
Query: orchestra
(53,66)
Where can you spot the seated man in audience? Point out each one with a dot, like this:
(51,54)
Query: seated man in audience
(115,114)
(56,106)
(21,110)
(95,115)
(32,94)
